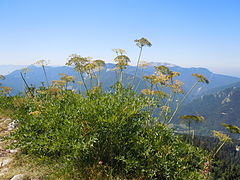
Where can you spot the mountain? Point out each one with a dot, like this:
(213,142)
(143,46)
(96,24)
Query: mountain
(217,108)
(35,77)
(7,69)
(108,77)
(216,80)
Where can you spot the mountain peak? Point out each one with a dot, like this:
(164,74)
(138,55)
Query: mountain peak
(162,64)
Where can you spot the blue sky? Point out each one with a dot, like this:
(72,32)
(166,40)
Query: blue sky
(189,33)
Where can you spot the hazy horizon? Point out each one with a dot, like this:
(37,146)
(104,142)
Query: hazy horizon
(229,72)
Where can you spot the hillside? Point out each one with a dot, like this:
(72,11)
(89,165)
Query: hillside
(217,108)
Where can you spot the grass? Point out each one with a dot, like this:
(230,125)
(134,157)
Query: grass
(31,167)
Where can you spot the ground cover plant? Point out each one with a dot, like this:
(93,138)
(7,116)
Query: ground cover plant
(111,134)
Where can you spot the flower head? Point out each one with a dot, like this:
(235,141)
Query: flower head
(196,118)
(78,61)
(42,62)
(35,113)
(122,61)
(119,51)
(99,63)
(200,78)
(142,42)
(221,136)
(67,78)
(232,128)
(147,92)
(25,70)
(58,83)
(162,70)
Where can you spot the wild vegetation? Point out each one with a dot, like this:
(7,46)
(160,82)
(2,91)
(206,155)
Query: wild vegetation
(115,134)
(221,107)
(226,162)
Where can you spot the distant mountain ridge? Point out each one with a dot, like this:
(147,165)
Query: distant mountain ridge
(108,77)
(7,69)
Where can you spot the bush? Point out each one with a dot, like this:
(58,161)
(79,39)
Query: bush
(106,135)
(112,132)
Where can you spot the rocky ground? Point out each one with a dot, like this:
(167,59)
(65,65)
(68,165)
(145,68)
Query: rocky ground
(15,165)
(7,156)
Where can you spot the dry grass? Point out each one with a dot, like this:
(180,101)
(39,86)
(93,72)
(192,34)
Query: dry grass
(32,168)
(21,164)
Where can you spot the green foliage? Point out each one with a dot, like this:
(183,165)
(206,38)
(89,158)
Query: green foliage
(104,129)
(6,106)
(226,163)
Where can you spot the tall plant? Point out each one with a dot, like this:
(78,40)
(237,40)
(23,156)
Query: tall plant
(23,74)
(99,64)
(27,88)
(79,64)
(200,79)
(43,64)
(188,119)
(121,62)
(140,43)
(223,139)
(67,79)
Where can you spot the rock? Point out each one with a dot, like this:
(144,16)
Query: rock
(12,125)
(13,151)
(5,161)
(19,177)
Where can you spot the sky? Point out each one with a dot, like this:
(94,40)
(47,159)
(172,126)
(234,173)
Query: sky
(188,33)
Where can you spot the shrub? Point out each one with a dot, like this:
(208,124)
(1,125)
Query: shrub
(106,130)
(108,134)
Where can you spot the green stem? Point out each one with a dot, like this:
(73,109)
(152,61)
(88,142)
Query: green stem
(45,74)
(120,76)
(135,74)
(178,105)
(219,149)
(193,135)
(85,86)
(189,131)
(25,82)
(66,85)
(144,81)
(91,81)
(98,79)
